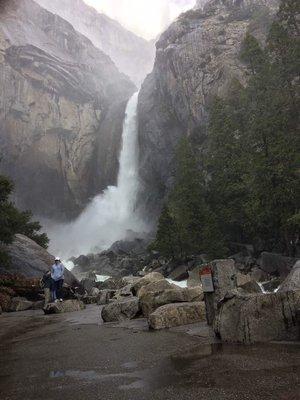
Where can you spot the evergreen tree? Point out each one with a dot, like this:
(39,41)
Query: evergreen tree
(254,146)
(250,191)
(13,221)
(187,199)
(167,238)
(186,225)
(252,54)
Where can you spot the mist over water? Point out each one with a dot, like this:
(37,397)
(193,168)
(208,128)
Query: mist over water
(111,215)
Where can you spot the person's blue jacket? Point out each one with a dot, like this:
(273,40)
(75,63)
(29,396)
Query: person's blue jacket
(57,272)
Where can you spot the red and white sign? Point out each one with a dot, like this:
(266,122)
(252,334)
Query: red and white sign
(207,280)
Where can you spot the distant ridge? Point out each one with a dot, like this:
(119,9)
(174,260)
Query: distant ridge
(132,54)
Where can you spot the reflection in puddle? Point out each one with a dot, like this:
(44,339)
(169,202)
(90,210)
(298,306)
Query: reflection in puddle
(164,374)
(85,375)
(130,365)
(198,365)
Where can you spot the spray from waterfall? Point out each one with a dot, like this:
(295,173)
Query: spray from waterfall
(110,215)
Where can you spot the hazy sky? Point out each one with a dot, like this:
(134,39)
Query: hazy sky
(146,18)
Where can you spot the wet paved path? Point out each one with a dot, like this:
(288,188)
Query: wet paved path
(74,357)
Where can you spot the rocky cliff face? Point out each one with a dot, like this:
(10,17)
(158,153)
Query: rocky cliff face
(58,94)
(196,59)
(132,55)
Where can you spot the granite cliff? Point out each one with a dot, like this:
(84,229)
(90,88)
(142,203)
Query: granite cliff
(196,59)
(59,96)
(132,54)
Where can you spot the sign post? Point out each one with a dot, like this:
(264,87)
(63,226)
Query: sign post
(217,280)
(206,277)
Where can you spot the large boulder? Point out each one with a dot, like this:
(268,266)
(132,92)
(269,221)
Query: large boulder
(64,307)
(180,273)
(177,314)
(276,264)
(20,304)
(126,291)
(149,278)
(31,260)
(258,318)
(194,277)
(156,286)
(105,296)
(88,285)
(5,301)
(121,310)
(292,282)
(246,283)
(150,301)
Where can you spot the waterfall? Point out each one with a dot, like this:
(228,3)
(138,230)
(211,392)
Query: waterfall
(110,215)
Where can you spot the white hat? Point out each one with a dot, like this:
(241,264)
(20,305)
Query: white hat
(57,259)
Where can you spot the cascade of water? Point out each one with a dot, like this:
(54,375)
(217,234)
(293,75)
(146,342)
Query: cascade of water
(110,215)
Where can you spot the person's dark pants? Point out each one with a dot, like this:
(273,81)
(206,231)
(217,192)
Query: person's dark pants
(57,290)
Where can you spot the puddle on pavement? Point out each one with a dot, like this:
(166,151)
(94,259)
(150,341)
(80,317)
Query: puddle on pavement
(165,373)
(130,365)
(181,369)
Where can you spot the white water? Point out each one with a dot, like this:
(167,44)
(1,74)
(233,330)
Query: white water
(112,214)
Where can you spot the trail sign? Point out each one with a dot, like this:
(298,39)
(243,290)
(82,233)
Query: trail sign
(207,280)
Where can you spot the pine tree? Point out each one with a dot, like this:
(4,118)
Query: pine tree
(254,142)
(187,226)
(13,221)
(187,199)
(167,237)
(252,54)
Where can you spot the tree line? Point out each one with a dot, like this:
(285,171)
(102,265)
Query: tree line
(244,186)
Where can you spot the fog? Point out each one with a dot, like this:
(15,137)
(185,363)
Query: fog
(143,17)
(111,215)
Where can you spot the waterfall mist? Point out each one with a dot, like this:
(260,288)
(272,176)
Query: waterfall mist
(110,215)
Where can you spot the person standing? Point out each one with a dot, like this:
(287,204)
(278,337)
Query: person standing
(57,275)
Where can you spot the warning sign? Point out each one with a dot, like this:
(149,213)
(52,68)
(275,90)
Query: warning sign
(207,280)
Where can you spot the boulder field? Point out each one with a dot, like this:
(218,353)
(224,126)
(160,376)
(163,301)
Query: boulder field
(242,312)
(164,304)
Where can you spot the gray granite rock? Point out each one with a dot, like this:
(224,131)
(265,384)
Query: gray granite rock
(31,260)
(197,57)
(63,102)
(64,307)
(121,310)
(259,318)
(292,282)
(171,315)
(20,304)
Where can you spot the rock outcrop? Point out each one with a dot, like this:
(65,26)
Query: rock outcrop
(132,54)
(30,260)
(259,318)
(196,59)
(276,264)
(58,95)
(123,258)
(292,282)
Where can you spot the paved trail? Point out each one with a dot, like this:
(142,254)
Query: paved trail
(74,357)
